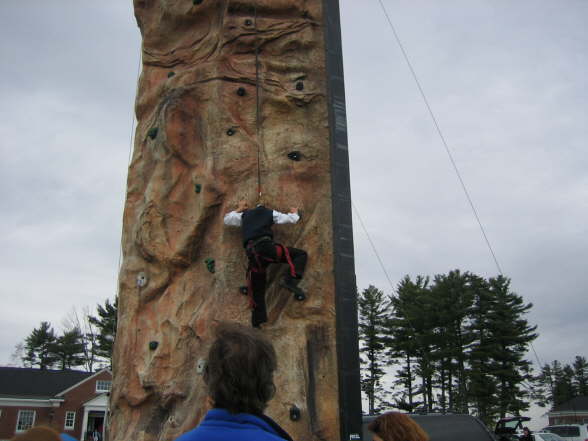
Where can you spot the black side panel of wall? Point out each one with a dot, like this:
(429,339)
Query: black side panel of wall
(345,288)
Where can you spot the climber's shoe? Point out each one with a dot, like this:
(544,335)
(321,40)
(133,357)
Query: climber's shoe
(291,284)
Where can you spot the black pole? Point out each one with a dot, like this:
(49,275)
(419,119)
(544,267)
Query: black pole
(344,270)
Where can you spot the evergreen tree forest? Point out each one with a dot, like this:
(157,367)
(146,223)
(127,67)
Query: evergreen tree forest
(453,343)
(85,343)
(559,383)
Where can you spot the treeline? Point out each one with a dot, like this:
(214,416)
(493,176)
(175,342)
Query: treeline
(454,343)
(559,383)
(86,342)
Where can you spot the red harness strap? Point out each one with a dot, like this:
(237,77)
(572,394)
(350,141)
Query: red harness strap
(256,265)
(289,260)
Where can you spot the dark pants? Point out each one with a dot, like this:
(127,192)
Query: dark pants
(260,257)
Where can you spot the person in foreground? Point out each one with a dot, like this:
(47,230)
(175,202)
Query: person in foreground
(396,426)
(239,378)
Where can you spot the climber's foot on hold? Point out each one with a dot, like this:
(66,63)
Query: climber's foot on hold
(291,285)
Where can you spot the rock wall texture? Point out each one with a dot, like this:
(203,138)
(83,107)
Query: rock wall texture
(203,128)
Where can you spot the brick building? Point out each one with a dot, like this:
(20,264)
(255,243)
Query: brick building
(72,402)
(574,411)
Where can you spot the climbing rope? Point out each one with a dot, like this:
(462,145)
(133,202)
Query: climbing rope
(131,140)
(257,103)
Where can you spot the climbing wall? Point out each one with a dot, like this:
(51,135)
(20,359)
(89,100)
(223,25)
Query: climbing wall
(233,97)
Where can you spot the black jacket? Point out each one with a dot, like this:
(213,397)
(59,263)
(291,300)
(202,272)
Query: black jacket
(256,223)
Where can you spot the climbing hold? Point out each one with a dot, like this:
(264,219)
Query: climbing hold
(197,2)
(197,188)
(299,85)
(209,265)
(153,345)
(241,91)
(152,133)
(294,413)
(141,280)
(170,74)
(201,366)
(248,22)
(295,156)
(244,290)
(230,132)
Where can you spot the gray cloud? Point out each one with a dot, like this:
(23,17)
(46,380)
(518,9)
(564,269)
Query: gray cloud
(507,81)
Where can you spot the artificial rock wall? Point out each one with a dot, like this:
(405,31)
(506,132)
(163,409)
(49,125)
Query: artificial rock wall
(206,133)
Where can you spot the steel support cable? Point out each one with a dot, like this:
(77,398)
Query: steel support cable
(372,245)
(375,250)
(447,150)
(440,133)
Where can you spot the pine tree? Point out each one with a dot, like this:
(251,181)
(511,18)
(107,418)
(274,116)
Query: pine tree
(68,349)
(481,380)
(411,338)
(373,309)
(545,382)
(452,299)
(580,367)
(510,334)
(564,387)
(106,324)
(560,383)
(39,347)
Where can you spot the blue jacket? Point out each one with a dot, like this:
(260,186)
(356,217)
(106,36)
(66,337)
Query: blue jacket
(221,425)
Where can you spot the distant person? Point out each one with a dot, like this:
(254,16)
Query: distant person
(526,436)
(38,433)
(239,377)
(396,426)
(258,240)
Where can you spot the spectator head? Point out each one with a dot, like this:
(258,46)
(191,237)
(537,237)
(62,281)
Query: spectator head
(395,426)
(240,369)
(39,433)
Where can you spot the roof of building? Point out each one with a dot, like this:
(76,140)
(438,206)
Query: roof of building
(37,383)
(575,404)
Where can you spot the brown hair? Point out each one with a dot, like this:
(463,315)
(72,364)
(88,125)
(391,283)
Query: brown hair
(38,433)
(240,369)
(395,426)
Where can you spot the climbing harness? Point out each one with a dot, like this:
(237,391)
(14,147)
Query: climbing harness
(258,263)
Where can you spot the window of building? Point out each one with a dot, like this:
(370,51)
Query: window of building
(26,419)
(70,420)
(103,386)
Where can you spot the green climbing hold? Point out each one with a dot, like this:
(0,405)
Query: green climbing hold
(170,74)
(152,133)
(153,345)
(197,2)
(209,265)
(198,188)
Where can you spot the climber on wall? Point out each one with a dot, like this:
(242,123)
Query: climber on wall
(258,240)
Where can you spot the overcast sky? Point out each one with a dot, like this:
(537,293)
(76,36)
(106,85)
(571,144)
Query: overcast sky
(507,81)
